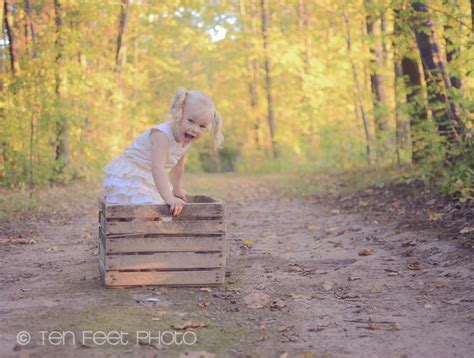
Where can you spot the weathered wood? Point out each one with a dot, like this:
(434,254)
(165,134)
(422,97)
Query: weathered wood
(164,278)
(102,271)
(143,245)
(160,244)
(166,227)
(165,260)
(209,210)
(202,206)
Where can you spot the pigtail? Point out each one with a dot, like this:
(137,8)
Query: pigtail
(178,103)
(217,137)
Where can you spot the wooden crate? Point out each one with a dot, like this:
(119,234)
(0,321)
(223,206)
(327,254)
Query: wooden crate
(143,245)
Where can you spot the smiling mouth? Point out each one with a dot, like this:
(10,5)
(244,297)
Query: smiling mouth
(189,136)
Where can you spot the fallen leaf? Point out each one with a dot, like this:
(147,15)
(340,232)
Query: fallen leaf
(414,266)
(267,251)
(353,278)
(299,297)
(440,284)
(327,286)
(372,288)
(372,325)
(467,230)
(313,228)
(306,355)
(395,326)
(365,252)
(363,203)
(204,304)
(53,248)
(278,303)
(197,354)
(256,300)
(188,325)
(248,243)
(434,216)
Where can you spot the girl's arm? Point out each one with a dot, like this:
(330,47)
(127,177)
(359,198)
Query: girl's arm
(159,154)
(175,175)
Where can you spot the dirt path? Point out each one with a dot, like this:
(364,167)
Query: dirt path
(333,278)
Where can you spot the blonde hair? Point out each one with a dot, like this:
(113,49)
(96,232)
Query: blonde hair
(177,106)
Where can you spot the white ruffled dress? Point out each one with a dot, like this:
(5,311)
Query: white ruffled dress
(129,180)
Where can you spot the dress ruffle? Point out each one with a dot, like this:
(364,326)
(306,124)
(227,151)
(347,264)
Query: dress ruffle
(127,183)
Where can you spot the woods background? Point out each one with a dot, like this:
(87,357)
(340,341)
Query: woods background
(302,85)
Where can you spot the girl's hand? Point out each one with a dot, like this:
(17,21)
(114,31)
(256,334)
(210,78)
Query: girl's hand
(180,193)
(176,205)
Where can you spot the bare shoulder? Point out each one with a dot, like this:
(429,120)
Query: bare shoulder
(159,138)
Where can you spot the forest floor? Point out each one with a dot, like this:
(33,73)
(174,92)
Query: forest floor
(325,269)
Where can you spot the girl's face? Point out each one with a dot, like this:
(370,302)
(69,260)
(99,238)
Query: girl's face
(193,124)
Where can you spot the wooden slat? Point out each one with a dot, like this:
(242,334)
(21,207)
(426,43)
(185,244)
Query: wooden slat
(153,211)
(164,278)
(165,260)
(102,252)
(157,244)
(166,227)
(102,270)
(102,221)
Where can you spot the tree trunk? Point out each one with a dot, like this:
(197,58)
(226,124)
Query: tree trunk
(30,27)
(472,16)
(12,39)
(377,84)
(62,145)
(268,75)
(304,27)
(121,52)
(452,51)
(437,80)
(407,77)
(251,62)
(358,92)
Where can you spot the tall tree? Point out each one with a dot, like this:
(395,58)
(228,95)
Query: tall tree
(437,80)
(121,51)
(407,73)
(377,80)
(452,49)
(304,28)
(30,26)
(358,91)
(12,37)
(249,32)
(62,135)
(268,74)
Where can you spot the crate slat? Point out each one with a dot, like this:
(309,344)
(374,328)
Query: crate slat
(153,211)
(165,260)
(162,243)
(165,278)
(166,227)
(157,244)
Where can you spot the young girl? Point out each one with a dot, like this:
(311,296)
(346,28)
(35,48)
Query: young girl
(139,175)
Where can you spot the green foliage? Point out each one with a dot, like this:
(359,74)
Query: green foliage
(71,108)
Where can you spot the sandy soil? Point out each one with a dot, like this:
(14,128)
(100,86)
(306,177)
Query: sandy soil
(334,276)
